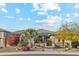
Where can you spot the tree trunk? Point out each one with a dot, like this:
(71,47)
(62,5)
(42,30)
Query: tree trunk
(30,42)
(63,42)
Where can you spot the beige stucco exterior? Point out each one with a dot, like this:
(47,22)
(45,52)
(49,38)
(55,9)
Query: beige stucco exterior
(3,38)
(60,43)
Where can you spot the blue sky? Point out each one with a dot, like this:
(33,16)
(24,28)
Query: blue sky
(49,16)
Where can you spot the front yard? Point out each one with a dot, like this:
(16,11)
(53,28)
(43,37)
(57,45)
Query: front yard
(8,49)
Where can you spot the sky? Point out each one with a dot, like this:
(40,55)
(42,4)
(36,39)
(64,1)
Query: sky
(49,16)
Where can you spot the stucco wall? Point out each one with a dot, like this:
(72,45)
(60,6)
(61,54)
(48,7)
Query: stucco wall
(3,38)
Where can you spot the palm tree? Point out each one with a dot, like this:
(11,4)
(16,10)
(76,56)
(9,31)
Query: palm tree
(28,36)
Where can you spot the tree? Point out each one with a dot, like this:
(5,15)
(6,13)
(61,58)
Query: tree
(28,36)
(65,32)
(23,39)
(37,39)
(68,31)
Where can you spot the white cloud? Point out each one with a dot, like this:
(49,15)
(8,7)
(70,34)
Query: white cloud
(72,15)
(9,16)
(68,15)
(2,4)
(50,20)
(21,19)
(35,7)
(17,10)
(50,6)
(44,7)
(41,13)
(28,19)
(4,10)
(76,6)
(76,14)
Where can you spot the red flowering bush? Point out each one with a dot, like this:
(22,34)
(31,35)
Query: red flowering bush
(24,48)
(12,39)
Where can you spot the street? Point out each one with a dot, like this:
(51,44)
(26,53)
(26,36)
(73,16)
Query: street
(38,53)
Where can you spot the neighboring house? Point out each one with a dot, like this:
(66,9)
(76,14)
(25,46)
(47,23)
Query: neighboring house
(3,35)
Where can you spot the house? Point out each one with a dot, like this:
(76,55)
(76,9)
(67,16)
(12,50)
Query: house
(3,35)
(45,35)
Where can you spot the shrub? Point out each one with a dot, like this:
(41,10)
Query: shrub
(49,42)
(12,39)
(24,48)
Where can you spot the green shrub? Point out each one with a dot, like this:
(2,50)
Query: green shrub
(49,42)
